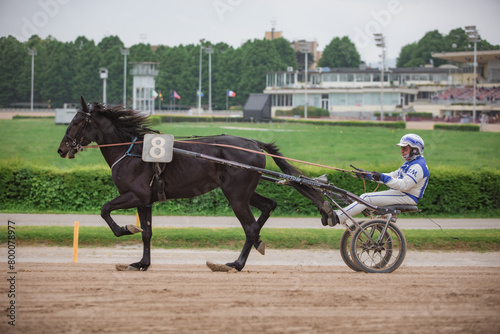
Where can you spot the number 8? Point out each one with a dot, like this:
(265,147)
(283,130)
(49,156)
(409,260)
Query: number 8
(157,144)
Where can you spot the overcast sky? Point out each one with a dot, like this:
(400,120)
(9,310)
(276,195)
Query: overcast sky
(175,22)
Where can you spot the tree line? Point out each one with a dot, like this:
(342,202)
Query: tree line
(66,70)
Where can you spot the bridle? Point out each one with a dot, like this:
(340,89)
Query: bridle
(75,143)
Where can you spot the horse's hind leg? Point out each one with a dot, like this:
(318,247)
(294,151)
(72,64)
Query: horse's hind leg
(266,206)
(146,219)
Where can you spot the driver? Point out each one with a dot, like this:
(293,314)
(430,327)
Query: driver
(407,184)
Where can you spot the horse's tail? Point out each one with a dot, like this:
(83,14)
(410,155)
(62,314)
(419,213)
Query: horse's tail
(285,167)
(313,194)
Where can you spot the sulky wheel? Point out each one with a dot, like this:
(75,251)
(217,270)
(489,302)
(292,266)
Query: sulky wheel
(345,247)
(373,252)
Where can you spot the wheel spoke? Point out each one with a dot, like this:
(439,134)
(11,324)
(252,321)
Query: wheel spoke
(376,252)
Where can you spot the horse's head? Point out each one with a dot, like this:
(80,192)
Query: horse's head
(79,132)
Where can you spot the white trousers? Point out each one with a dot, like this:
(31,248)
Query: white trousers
(381,198)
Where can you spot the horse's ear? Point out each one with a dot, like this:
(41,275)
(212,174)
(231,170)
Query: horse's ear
(85,107)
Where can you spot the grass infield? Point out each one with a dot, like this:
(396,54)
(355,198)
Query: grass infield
(487,240)
(339,146)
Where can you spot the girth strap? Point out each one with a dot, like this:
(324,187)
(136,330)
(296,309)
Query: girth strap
(158,181)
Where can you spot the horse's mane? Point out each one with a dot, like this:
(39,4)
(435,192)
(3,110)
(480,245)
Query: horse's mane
(129,123)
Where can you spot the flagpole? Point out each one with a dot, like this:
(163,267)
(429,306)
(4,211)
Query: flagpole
(227,98)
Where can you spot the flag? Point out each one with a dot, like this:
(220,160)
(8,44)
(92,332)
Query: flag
(198,93)
(154,94)
(177,96)
(230,93)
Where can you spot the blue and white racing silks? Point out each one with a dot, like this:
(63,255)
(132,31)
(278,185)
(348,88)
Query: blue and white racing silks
(411,178)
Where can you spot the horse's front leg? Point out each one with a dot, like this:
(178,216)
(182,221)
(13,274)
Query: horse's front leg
(125,201)
(145,217)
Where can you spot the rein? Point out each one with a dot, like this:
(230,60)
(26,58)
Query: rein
(227,146)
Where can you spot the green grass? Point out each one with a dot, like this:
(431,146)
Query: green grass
(37,140)
(233,238)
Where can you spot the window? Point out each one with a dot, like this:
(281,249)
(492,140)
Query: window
(282,100)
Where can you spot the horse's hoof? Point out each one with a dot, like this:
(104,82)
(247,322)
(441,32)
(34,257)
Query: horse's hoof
(133,229)
(220,267)
(261,248)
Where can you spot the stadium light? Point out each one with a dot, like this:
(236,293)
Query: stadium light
(32,53)
(473,35)
(199,82)
(125,53)
(380,42)
(305,48)
(209,49)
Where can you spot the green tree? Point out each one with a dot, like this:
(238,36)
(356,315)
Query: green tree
(86,80)
(172,69)
(142,53)
(57,73)
(420,53)
(15,77)
(285,52)
(225,74)
(456,40)
(406,55)
(112,59)
(258,58)
(341,52)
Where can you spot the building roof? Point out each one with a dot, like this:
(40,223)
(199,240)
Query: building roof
(372,70)
(468,56)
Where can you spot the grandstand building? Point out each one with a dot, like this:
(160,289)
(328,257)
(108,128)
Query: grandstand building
(356,92)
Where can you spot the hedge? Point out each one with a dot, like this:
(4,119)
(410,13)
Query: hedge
(46,189)
(414,114)
(390,125)
(457,127)
(299,111)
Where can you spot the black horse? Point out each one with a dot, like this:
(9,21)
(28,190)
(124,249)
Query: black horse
(183,177)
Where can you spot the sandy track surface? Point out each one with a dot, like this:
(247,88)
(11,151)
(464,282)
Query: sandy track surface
(231,221)
(94,298)
(273,257)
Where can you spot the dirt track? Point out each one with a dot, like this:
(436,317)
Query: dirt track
(87,298)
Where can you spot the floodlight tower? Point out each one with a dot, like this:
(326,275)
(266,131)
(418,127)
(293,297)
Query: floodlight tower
(305,47)
(125,53)
(380,42)
(209,50)
(199,82)
(32,53)
(471,31)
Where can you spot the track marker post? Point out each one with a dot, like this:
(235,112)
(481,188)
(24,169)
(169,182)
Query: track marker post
(75,243)
(137,221)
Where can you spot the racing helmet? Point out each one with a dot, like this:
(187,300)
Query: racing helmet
(415,141)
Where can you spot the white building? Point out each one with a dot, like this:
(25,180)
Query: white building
(354,89)
(144,86)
